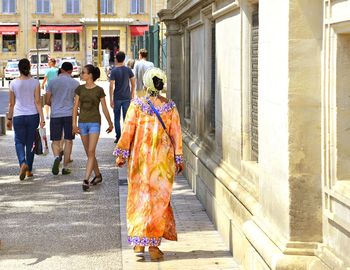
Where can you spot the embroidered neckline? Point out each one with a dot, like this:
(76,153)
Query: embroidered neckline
(144,106)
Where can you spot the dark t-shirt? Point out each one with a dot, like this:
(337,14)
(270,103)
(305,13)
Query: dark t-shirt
(121,76)
(90,103)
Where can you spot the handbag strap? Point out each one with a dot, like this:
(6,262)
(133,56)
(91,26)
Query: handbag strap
(157,113)
(160,120)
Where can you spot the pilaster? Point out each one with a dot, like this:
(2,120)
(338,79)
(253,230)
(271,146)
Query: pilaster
(175,56)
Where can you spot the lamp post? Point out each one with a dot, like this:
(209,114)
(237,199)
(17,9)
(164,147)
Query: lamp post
(37,25)
(99,43)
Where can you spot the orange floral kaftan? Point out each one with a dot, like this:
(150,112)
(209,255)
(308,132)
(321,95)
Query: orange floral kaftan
(151,170)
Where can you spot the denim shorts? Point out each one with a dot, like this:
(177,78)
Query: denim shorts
(59,125)
(89,128)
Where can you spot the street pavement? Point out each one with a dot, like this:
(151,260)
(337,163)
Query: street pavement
(48,222)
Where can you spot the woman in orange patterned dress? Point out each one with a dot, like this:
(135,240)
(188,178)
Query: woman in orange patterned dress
(154,155)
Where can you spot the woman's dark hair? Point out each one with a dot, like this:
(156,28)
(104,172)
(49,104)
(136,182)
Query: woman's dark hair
(158,83)
(24,66)
(95,71)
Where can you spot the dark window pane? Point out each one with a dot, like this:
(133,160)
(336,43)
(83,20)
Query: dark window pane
(9,43)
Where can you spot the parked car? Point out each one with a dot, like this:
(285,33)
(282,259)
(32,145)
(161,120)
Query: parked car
(11,69)
(44,57)
(76,67)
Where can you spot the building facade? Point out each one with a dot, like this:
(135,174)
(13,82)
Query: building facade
(68,28)
(262,90)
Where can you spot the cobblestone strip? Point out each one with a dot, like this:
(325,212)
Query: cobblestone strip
(199,245)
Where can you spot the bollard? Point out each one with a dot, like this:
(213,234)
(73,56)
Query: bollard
(3,77)
(2,125)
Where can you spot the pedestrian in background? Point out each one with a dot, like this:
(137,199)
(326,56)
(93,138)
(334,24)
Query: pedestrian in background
(25,112)
(154,148)
(50,74)
(131,64)
(60,96)
(88,98)
(141,67)
(120,91)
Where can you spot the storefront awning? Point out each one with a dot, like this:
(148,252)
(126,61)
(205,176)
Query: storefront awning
(9,29)
(59,29)
(138,30)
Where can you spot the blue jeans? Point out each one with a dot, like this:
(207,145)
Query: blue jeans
(118,105)
(24,127)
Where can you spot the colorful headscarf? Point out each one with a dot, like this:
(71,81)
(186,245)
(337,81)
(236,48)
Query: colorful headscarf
(148,80)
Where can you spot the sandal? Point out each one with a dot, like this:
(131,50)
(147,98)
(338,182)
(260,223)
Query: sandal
(86,185)
(139,249)
(155,253)
(96,180)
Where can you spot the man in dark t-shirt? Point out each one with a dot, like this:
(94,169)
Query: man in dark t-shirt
(121,90)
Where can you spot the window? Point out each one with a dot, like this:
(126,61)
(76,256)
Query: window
(42,6)
(9,43)
(213,79)
(8,6)
(137,7)
(44,41)
(73,6)
(57,43)
(254,125)
(72,42)
(107,6)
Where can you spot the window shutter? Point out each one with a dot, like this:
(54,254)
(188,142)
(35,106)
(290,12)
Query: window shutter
(141,6)
(133,8)
(12,6)
(76,7)
(109,6)
(46,6)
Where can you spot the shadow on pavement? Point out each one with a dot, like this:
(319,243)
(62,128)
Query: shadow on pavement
(50,216)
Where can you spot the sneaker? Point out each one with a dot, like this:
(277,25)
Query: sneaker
(55,166)
(116,141)
(66,171)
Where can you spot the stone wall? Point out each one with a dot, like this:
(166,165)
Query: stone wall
(270,209)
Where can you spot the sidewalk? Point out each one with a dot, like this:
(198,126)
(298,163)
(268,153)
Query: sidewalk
(199,245)
(48,222)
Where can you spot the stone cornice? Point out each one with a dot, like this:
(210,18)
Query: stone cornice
(182,10)
(217,13)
